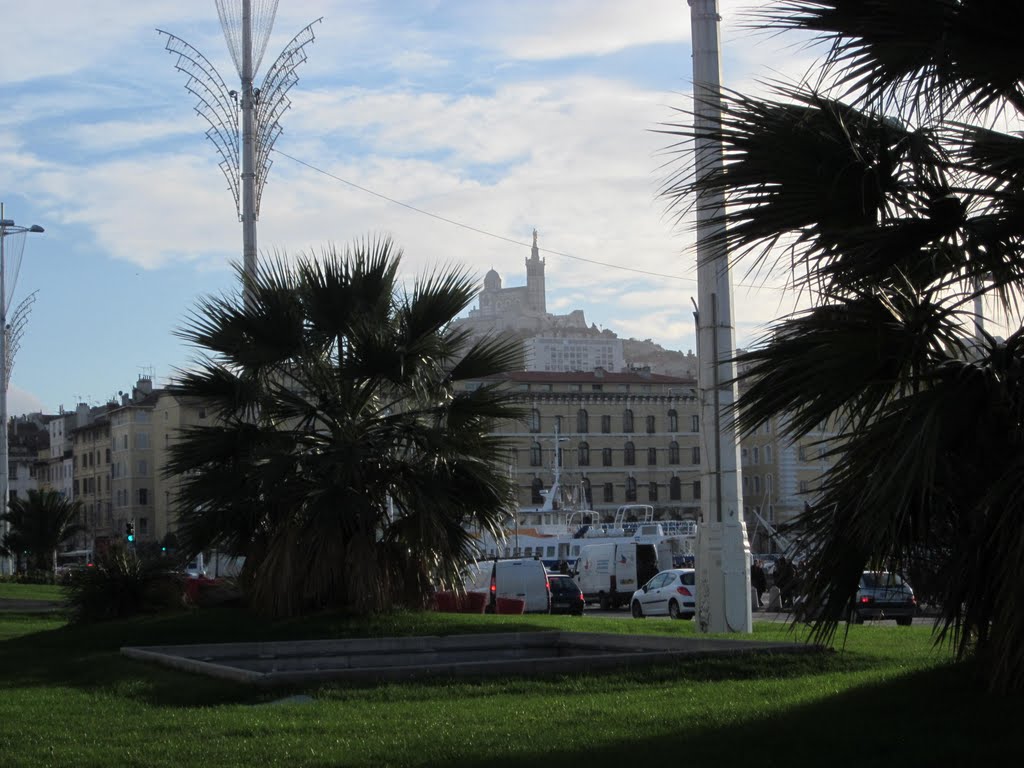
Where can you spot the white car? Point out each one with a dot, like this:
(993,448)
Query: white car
(672,593)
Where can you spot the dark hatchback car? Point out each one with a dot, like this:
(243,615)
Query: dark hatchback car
(884,595)
(566,595)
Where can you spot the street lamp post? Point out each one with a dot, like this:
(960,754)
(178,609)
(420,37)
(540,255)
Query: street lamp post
(7,228)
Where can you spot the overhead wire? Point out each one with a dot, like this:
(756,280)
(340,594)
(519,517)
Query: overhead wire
(503,238)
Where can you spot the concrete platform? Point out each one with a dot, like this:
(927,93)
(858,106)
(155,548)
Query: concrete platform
(408,658)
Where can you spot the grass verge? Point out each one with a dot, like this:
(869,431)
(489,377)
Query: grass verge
(68,698)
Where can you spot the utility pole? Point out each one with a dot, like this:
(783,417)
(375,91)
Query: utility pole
(723,552)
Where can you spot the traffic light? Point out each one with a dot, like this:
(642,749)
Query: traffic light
(129,529)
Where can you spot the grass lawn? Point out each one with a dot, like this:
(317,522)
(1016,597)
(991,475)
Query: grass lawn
(15,591)
(67,698)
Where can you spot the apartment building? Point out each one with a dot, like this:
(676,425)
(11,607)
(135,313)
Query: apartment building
(621,438)
(133,471)
(171,415)
(91,468)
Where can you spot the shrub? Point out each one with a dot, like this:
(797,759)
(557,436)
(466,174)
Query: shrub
(120,584)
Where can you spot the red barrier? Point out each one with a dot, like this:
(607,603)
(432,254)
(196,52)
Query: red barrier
(510,605)
(475,602)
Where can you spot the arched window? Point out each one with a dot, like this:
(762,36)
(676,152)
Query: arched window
(627,420)
(583,454)
(629,455)
(652,457)
(767,454)
(673,452)
(673,421)
(652,492)
(650,425)
(582,421)
(536,487)
(535,420)
(630,489)
(606,457)
(535,460)
(675,489)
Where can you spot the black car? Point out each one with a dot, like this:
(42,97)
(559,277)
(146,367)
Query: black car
(566,595)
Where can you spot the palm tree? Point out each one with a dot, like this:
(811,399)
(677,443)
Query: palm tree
(348,460)
(890,192)
(39,524)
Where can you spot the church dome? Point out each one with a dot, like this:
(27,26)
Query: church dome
(492,281)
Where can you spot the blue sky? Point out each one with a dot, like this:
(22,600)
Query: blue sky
(504,116)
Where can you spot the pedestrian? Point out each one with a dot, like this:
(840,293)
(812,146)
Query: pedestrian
(758,580)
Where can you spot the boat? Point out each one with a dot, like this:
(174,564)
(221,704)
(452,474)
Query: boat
(556,530)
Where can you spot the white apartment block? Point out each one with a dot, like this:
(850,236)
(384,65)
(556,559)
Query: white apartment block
(568,354)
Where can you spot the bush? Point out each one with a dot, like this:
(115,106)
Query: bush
(119,585)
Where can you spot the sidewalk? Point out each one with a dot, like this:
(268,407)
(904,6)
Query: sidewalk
(13,605)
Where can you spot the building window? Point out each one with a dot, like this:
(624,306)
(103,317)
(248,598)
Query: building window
(652,457)
(650,425)
(673,421)
(767,454)
(583,455)
(695,454)
(108,455)
(652,492)
(768,485)
(606,457)
(143,497)
(202,413)
(675,489)
(535,420)
(630,489)
(696,489)
(606,424)
(609,492)
(757,455)
(143,526)
(757,483)
(629,455)
(627,420)
(558,425)
(802,453)
(535,460)
(673,452)
(695,423)
(536,497)
(582,421)
(803,486)
(143,468)
(588,492)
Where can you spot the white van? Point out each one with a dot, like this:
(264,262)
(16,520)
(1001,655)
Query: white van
(522,579)
(610,573)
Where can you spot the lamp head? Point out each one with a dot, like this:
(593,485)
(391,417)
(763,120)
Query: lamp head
(36,228)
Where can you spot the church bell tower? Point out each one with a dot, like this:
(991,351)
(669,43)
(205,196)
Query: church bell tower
(535,279)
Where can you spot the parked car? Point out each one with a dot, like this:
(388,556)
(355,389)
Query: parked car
(672,592)
(883,595)
(566,595)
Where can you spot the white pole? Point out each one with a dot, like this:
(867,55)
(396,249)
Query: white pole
(248,153)
(723,556)
(5,567)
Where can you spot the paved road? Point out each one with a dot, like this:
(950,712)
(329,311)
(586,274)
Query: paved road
(12,605)
(593,611)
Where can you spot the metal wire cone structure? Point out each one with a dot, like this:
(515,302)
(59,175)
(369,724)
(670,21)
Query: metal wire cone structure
(244,123)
